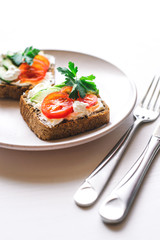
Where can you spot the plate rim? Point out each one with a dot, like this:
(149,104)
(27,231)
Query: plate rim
(76,141)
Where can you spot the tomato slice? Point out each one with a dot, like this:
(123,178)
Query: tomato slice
(42,60)
(39,65)
(32,75)
(24,67)
(90,99)
(36,71)
(66,89)
(57,105)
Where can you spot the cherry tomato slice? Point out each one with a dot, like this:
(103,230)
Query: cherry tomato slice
(24,67)
(39,65)
(36,65)
(41,60)
(32,76)
(90,99)
(66,89)
(57,105)
(36,71)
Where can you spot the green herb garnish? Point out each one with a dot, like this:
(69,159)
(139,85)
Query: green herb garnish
(26,56)
(81,86)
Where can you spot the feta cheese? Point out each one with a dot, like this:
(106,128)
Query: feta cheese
(100,105)
(79,107)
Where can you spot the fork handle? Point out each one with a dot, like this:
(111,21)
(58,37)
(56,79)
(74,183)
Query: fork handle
(100,176)
(121,198)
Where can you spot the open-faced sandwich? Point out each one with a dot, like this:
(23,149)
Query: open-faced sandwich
(64,110)
(21,71)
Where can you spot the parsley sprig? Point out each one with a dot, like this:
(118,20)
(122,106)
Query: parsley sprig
(81,86)
(26,56)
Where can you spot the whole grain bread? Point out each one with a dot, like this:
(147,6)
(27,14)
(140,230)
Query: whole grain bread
(64,129)
(15,91)
(12,91)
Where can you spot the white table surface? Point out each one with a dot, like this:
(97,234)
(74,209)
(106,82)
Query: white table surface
(37,188)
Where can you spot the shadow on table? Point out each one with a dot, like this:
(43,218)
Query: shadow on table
(57,165)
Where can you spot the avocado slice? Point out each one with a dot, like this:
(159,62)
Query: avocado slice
(39,96)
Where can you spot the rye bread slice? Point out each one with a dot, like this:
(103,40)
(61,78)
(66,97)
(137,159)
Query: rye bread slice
(15,91)
(64,129)
(12,91)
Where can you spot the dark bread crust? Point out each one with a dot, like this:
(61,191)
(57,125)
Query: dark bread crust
(15,91)
(64,129)
(12,91)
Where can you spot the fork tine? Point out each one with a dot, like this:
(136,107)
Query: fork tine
(144,98)
(151,90)
(154,106)
(153,94)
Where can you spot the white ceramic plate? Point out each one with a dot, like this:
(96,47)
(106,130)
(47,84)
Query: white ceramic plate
(115,88)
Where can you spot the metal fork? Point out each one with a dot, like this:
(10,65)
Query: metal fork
(148,110)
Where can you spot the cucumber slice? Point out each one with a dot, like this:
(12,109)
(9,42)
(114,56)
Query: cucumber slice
(39,96)
(2,74)
(7,63)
